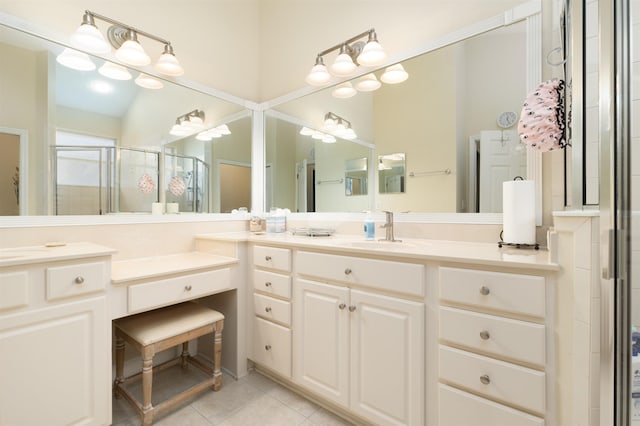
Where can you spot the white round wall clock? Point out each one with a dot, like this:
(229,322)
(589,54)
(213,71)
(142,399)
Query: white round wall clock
(507,119)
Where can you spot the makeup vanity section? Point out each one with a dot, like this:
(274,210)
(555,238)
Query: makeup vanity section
(418,332)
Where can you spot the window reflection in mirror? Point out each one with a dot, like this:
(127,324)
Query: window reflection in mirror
(356,177)
(41,96)
(391,173)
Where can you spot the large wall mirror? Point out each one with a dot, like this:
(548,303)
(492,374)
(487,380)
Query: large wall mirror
(78,142)
(454,119)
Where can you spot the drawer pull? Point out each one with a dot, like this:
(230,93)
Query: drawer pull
(267,258)
(352,308)
(347,271)
(342,306)
(484,290)
(267,284)
(484,335)
(187,287)
(267,309)
(79,280)
(484,379)
(267,347)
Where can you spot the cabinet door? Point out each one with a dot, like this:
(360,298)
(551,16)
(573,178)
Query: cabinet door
(55,365)
(321,339)
(387,359)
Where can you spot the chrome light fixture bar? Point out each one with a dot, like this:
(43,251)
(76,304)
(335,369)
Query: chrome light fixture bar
(333,126)
(124,38)
(352,52)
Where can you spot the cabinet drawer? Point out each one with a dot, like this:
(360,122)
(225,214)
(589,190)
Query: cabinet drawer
(158,293)
(459,408)
(272,257)
(522,294)
(519,340)
(272,309)
(272,346)
(503,381)
(14,290)
(271,283)
(380,274)
(74,280)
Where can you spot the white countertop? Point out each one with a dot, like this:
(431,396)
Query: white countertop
(419,249)
(56,252)
(157,266)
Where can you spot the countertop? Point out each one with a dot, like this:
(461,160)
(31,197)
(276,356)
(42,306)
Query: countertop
(417,249)
(51,253)
(158,266)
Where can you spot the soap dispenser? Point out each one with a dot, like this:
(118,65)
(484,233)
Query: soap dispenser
(369,227)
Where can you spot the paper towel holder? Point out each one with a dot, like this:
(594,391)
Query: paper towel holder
(501,243)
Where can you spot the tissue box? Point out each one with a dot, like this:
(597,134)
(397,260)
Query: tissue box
(276,224)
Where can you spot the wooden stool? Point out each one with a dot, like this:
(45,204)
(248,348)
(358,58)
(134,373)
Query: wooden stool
(154,331)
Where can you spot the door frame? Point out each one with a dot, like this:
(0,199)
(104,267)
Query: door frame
(23,134)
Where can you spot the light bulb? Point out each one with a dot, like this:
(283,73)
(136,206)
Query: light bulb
(343,65)
(148,82)
(368,83)
(168,63)
(394,74)
(114,71)
(372,53)
(318,74)
(132,53)
(343,91)
(88,37)
(73,59)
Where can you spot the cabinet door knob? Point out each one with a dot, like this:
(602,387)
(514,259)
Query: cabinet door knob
(267,347)
(352,308)
(79,280)
(267,284)
(484,379)
(187,287)
(267,309)
(484,335)
(342,306)
(267,258)
(484,290)
(347,271)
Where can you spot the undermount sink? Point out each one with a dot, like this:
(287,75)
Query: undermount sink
(379,245)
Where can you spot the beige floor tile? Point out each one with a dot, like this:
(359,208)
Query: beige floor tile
(293,400)
(217,406)
(265,411)
(323,417)
(187,416)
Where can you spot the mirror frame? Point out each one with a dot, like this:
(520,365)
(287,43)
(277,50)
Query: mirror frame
(530,12)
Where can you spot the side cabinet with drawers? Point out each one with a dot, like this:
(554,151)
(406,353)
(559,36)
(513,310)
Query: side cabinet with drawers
(493,348)
(54,335)
(271,345)
(359,335)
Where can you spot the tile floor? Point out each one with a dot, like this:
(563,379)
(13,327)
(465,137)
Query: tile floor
(252,400)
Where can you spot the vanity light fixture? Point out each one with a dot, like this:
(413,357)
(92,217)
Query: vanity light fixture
(394,74)
(188,123)
(338,126)
(352,53)
(124,38)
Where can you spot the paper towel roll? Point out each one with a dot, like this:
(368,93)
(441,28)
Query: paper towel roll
(518,212)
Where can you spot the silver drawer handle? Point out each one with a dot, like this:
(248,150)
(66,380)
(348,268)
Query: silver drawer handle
(79,280)
(187,287)
(342,306)
(267,258)
(484,290)
(484,335)
(267,284)
(267,309)
(484,379)
(267,347)
(348,271)
(352,308)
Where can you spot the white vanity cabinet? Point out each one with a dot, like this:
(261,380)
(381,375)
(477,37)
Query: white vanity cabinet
(271,343)
(55,352)
(493,348)
(355,344)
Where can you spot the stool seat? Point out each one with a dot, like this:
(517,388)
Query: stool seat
(160,329)
(154,326)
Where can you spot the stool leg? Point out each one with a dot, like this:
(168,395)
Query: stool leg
(185,354)
(217,355)
(147,382)
(119,365)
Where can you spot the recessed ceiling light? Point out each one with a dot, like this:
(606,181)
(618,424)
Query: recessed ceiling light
(100,86)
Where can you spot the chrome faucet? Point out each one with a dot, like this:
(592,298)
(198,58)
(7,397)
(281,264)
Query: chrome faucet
(388,227)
